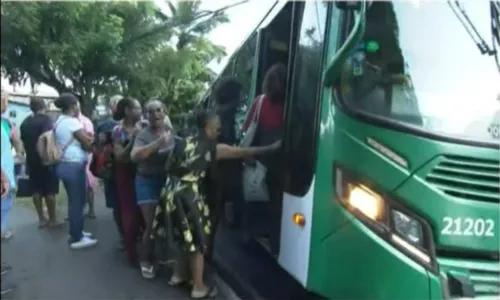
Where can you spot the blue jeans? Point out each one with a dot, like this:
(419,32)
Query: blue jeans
(6,206)
(148,188)
(73,177)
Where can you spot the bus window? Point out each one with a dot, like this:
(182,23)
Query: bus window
(243,67)
(228,70)
(305,94)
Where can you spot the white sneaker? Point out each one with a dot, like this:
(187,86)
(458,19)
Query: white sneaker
(85,242)
(148,271)
(84,233)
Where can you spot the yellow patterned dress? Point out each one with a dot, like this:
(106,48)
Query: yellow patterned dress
(183,214)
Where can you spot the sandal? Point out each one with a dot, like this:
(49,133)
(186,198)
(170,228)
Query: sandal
(7,235)
(54,224)
(8,288)
(208,292)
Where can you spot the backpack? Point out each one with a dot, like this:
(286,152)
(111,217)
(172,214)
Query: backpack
(48,149)
(102,163)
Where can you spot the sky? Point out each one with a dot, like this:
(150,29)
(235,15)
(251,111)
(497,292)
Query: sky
(243,20)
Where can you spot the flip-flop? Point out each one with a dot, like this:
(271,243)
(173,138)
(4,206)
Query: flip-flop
(176,281)
(54,224)
(209,293)
(7,235)
(8,288)
(6,269)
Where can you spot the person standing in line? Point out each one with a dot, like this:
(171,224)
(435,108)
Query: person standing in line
(43,179)
(128,111)
(14,137)
(270,128)
(183,215)
(75,144)
(104,131)
(8,172)
(92,183)
(150,176)
(227,188)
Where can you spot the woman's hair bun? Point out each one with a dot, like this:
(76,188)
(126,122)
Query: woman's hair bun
(65,101)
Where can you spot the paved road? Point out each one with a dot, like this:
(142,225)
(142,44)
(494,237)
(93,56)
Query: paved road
(45,268)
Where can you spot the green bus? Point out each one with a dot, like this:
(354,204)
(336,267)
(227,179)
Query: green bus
(391,146)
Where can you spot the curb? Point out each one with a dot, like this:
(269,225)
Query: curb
(240,286)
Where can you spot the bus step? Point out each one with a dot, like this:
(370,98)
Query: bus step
(264,242)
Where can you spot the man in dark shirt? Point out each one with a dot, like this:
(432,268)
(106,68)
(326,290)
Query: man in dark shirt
(43,179)
(228,174)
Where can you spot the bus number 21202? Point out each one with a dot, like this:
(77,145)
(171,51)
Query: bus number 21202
(468,227)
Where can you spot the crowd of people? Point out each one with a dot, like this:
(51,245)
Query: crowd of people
(156,182)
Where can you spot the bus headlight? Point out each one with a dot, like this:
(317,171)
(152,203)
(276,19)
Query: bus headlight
(407,227)
(387,217)
(366,202)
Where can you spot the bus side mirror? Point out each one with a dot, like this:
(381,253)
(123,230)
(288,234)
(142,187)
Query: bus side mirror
(348,5)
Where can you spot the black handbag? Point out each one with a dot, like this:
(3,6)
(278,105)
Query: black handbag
(24,188)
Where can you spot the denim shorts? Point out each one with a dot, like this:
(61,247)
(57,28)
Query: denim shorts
(148,189)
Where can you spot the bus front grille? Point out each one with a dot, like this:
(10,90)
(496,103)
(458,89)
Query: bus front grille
(467,178)
(482,276)
(485,283)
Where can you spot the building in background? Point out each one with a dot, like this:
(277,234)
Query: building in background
(19,107)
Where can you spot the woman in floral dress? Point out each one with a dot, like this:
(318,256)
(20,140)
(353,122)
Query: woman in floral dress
(183,215)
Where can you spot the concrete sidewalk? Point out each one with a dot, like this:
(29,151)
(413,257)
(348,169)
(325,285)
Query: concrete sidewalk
(45,268)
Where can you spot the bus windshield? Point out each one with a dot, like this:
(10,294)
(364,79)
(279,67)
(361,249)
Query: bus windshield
(419,66)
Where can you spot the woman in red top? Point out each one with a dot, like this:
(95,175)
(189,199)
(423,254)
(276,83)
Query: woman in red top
(273,101)
(269,130)
(128,111)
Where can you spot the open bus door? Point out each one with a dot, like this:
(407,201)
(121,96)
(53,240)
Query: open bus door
(262,219)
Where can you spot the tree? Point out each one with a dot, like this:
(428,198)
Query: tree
(103,48)
(178,73)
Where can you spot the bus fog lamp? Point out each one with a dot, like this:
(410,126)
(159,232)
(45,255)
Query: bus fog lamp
(366,202)
(408,228)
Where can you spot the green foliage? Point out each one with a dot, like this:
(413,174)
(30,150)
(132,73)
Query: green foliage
(98,49)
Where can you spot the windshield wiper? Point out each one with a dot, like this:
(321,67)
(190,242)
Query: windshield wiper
(471,29)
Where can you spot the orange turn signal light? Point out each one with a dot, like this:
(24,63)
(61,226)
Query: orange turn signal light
(299,219)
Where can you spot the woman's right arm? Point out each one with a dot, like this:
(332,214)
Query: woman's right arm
(142,148)
(224,151)
(84,139)
(79,133)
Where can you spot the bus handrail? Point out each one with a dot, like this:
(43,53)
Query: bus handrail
(343,53)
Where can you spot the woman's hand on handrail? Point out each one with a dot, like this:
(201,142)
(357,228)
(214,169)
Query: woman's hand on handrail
(225,151)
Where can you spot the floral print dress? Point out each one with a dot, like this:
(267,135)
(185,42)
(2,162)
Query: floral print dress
(183,215)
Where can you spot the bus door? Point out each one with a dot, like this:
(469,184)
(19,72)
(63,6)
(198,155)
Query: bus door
(304,99)
(273,47)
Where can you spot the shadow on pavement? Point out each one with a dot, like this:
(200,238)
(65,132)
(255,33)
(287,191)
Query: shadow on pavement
(43,266)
